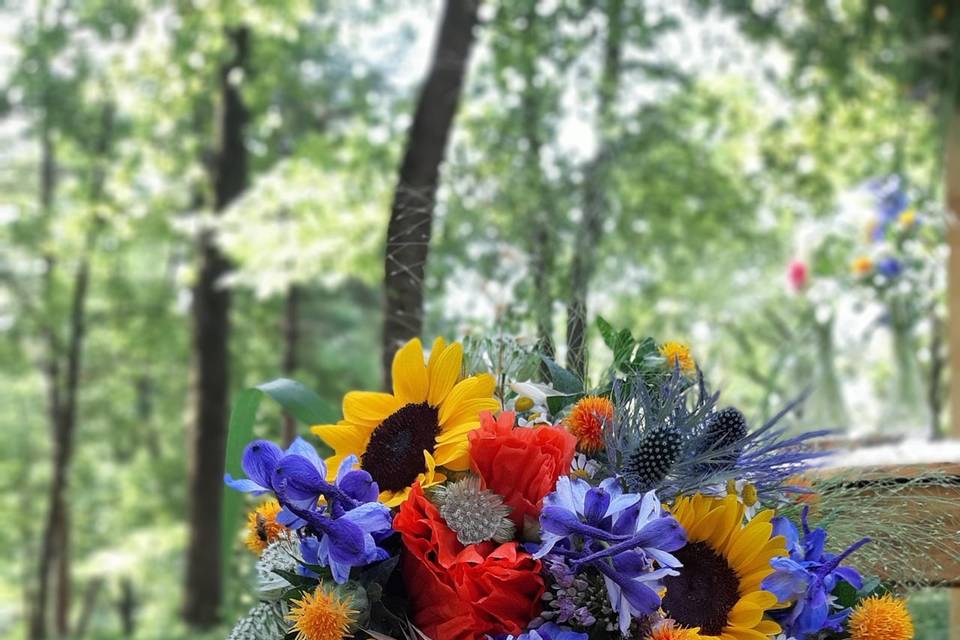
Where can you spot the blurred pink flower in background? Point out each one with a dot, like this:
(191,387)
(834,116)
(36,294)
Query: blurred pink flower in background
(798,274)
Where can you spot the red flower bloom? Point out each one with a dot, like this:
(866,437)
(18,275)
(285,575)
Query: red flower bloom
(463,593)
(798,274)
(520,464)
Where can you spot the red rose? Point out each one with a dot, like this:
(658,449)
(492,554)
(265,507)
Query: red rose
(521,464)
(463,593)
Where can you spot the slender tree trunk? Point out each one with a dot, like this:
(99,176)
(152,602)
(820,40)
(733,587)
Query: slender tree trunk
(90,596)
(595,204)
(63,380)
(211,326)
(39,611)
(127,608)
(291,342)
(411,216)
(541,239)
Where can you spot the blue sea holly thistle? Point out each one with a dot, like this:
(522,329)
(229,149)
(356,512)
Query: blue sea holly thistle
(807,577)
(626,538)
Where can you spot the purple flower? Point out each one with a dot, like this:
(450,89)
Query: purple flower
(807,578)
(339,532)
(549,631)
(619,535)
(261,459)
(890,267)
(347,541)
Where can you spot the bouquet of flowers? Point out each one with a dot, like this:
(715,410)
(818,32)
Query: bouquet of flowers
(465,505)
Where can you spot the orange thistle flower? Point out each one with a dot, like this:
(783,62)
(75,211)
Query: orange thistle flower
(321,615)
(677,353)
(586,421)
(668,630)
(881,618)
(262,526)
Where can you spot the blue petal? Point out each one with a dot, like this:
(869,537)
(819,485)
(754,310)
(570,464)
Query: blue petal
(786,585)
(663,533)
(595,505)
(244,485)
(850,575)
(814,543)
(564,523)
(346,465)
(783,527)
(370,517)
(260,458)
(290,520)
(632,563)
(347,542)
(301,447)
(300,477)
(359,485)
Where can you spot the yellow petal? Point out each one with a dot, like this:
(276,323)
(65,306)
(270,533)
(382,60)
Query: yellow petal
(444,373)
(410,374)
(439,344)
(455,399)
(768,627)
(743,633)
(345,438)
(748,542)
(455,457)
(469,411)
(486,383)
(457,433)
(745,615)
(368,407)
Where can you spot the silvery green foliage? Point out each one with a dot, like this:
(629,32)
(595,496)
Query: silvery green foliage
(263,622)
(281,554)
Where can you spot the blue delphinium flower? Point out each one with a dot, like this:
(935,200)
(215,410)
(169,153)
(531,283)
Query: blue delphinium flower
(620,535)
(549,631)
(807,578)
(889,267)
(891,200)
(340,531)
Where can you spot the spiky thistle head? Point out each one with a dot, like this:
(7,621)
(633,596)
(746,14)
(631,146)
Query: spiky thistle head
(647,464)
(881,618)
(474,513)
(265,621)
(723,432)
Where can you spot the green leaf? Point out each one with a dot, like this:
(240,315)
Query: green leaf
(295,579)
(556,404)
(240,432)
(563,380)
(299,402)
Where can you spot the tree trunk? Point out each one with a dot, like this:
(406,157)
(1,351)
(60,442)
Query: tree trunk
(411,215)
(595,204)
(541,239)
(291,342)
(39,611)
(211,325)
(63,381)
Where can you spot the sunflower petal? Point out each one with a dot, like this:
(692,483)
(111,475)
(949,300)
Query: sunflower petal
(368,408)
(443,373)
(469,411)
(410,374)
(439,345)
(345,438)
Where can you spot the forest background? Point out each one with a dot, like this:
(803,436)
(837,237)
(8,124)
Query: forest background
(197,196)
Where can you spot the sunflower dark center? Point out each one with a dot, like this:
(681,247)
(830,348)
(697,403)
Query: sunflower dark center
(704,592)
(394,456)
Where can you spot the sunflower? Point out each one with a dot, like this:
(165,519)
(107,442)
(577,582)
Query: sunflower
(402,437)
(724,562)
